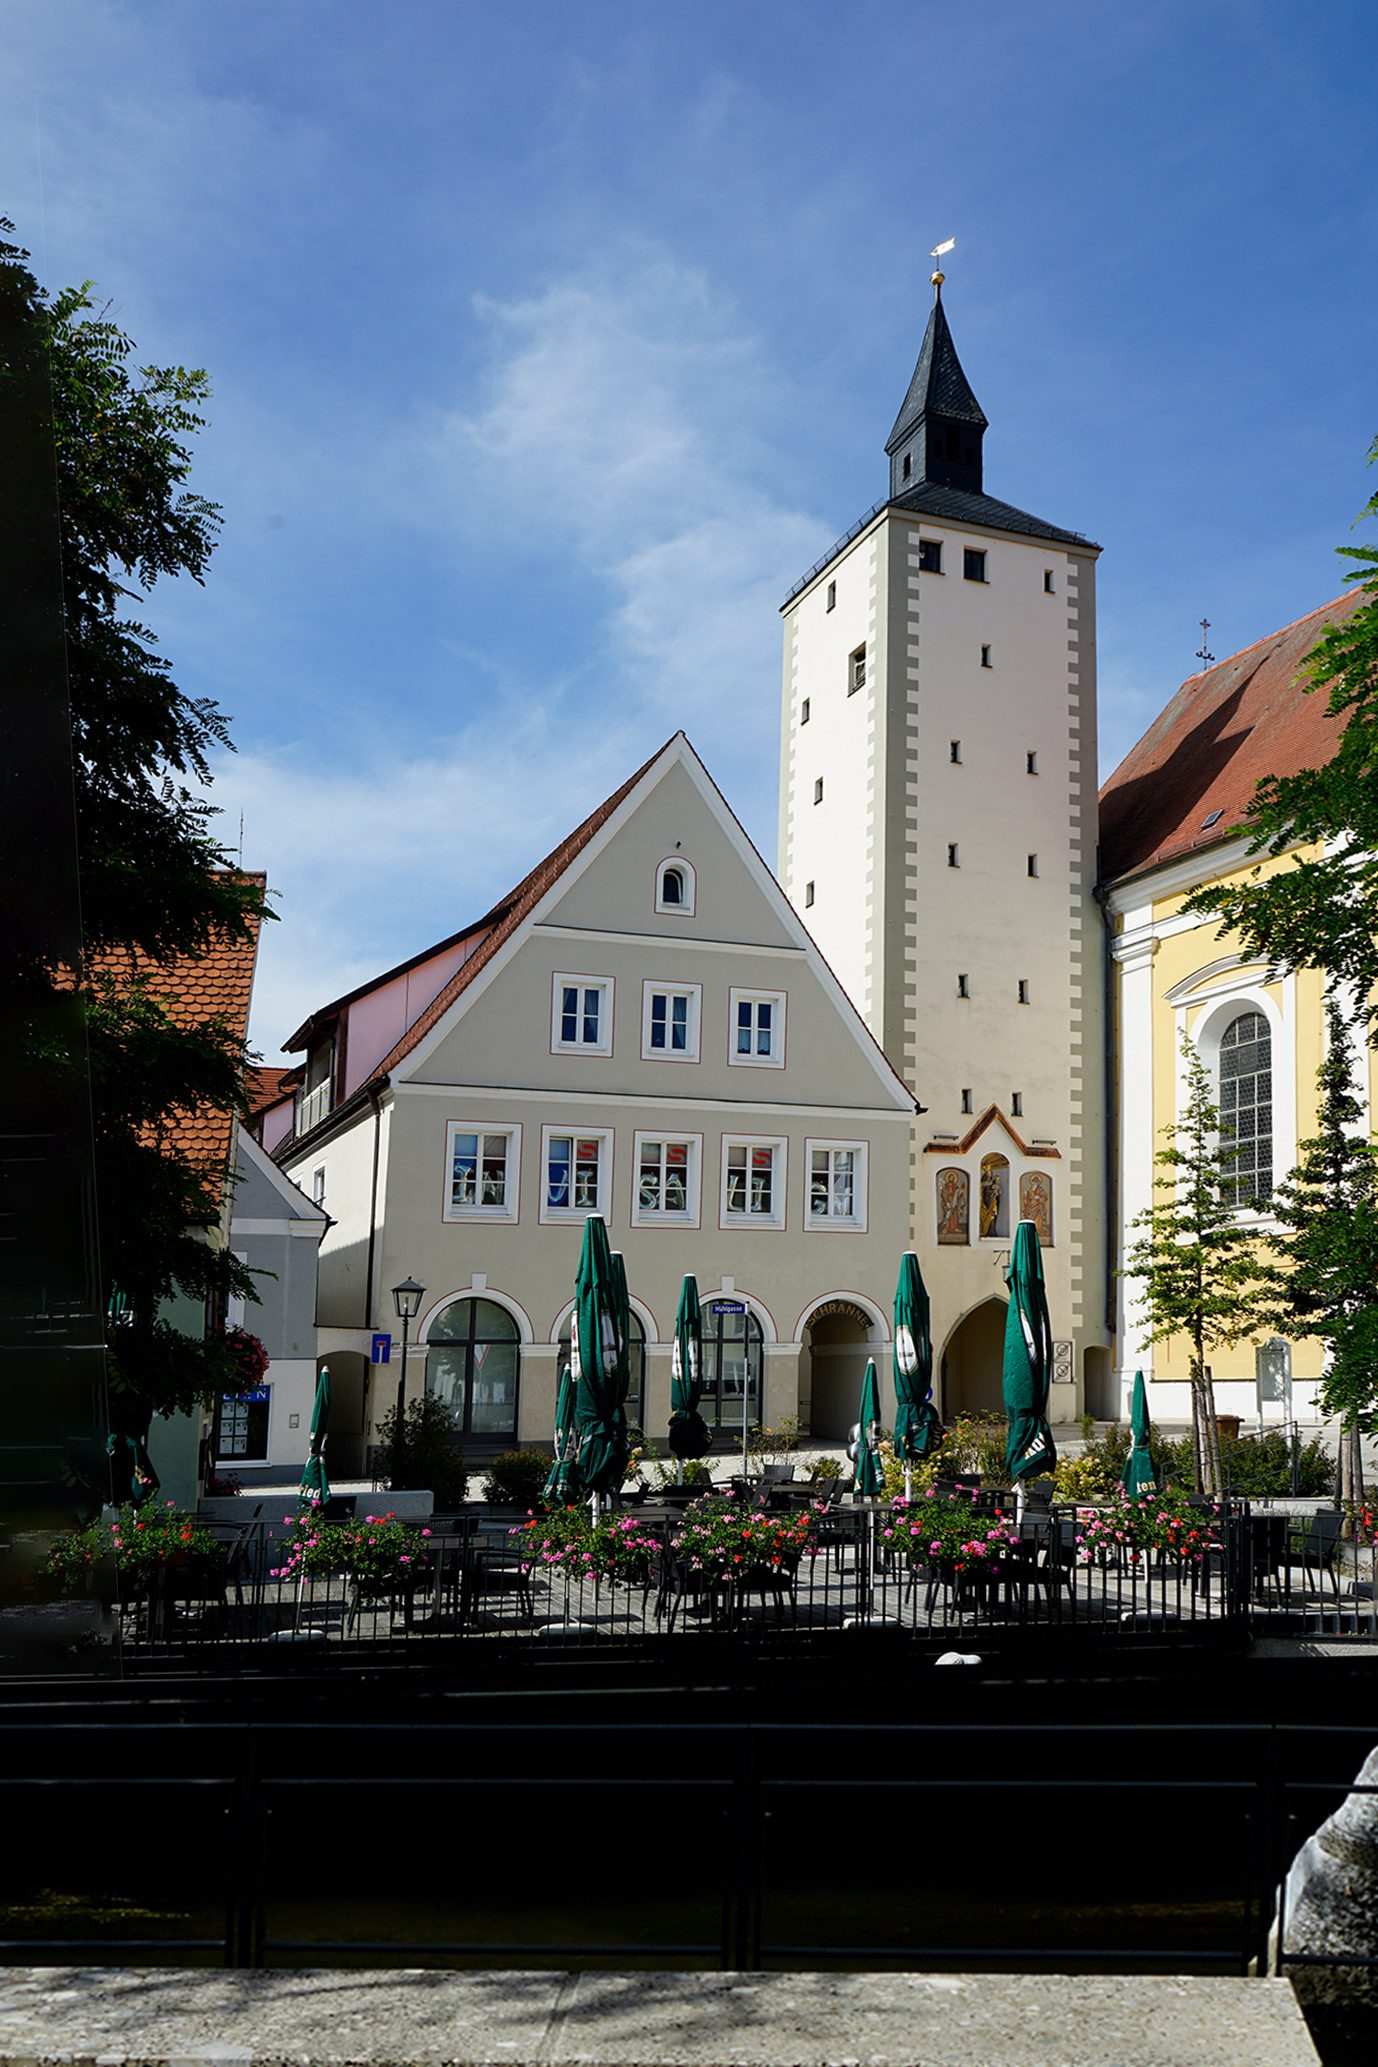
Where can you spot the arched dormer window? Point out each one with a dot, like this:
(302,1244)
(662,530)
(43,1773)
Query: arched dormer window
(1246,1107)
(675,886)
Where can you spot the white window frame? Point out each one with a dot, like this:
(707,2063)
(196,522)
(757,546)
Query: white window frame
(861,1176)
(686,909)
(603,984)
(645,1216)
(777,1218)
(550,1215)
(507,1214)
(776,999)
(664,987)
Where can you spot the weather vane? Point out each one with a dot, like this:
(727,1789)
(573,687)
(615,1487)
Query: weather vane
(940,251)
(1204,654)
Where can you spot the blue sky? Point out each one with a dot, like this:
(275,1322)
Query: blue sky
(550,343)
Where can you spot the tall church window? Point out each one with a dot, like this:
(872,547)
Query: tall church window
(995,1197)
(1246,1107)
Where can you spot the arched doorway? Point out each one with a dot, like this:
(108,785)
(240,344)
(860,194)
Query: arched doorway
(839,1338)
(972,1362)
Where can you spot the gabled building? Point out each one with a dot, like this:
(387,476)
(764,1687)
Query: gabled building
(938,834)
(642,1029)
(1167,819)
(276,1231)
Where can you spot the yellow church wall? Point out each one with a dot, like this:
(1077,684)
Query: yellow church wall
(1196,982)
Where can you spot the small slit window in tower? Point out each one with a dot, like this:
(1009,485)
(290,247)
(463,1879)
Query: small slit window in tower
(804,712)
(1031,763)
(856,671)
(974,564)
(954,752)
(808,894)
(966,1101)
(832,595)
(818,791)
(985,656)
(905,467)
(1031,865)
(1047,581)
(963,988)
(1023,990)
(1016,1105)
(930,556)
(954,859)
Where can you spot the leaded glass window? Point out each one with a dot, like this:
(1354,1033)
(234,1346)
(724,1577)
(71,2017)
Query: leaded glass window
(1246,1108)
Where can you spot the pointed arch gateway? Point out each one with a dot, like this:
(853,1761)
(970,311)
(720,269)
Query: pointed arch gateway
(970,1367)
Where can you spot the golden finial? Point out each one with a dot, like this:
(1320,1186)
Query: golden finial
(939,250)
(937,279)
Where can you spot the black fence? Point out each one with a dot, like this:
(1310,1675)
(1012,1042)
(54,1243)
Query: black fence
(518,1842)
(477,1585)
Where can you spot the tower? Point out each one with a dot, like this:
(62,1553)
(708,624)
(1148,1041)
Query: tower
(938,835)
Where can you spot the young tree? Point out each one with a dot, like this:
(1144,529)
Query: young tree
(1322,913)
(1325,1282)
(1198,1266)
(155,887)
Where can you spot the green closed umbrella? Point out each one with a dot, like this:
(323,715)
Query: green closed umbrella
(555,1488)
(598,1358)
(689,1435)
(1138,1476)
(1029,1447)
(917,1427)
(868,1478)
(315,1486)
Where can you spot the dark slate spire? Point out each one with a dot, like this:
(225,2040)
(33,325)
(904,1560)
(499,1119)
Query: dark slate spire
(938,432)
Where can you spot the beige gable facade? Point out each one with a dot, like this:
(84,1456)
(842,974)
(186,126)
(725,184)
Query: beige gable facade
(659,1040)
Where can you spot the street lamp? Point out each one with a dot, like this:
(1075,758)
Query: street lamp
(407,1298)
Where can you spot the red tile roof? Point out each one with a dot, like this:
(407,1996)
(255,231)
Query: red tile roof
(1246,717)
(266,1087)
(216,984)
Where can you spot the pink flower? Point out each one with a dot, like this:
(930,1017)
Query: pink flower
(425,1532)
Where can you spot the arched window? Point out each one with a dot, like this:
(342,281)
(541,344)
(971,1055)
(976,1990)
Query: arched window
(733,1360)
(1246,1107)
(473,1361)
(995,1197)
(675,886)
(636,1357)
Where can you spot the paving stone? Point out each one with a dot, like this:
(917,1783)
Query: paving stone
(166,2017)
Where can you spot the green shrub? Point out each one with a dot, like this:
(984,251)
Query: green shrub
(427,1457)
(516,1478)
(1257,1465)
(825,1470)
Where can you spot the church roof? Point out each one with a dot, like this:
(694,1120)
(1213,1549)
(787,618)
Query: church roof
(1190,780)
(938,386)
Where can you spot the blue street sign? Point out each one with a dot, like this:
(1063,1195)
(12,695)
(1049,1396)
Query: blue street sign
(381,1351)
(727,1306)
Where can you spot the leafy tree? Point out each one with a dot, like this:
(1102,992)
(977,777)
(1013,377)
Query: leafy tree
(155,887)
(1326,1279)
(1198,1265)
(1322,912)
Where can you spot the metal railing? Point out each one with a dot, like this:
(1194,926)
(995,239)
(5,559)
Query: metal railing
(475,1583)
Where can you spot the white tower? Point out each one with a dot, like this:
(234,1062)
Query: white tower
(938,834)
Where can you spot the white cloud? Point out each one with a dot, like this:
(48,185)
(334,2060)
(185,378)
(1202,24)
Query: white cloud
(623,416)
